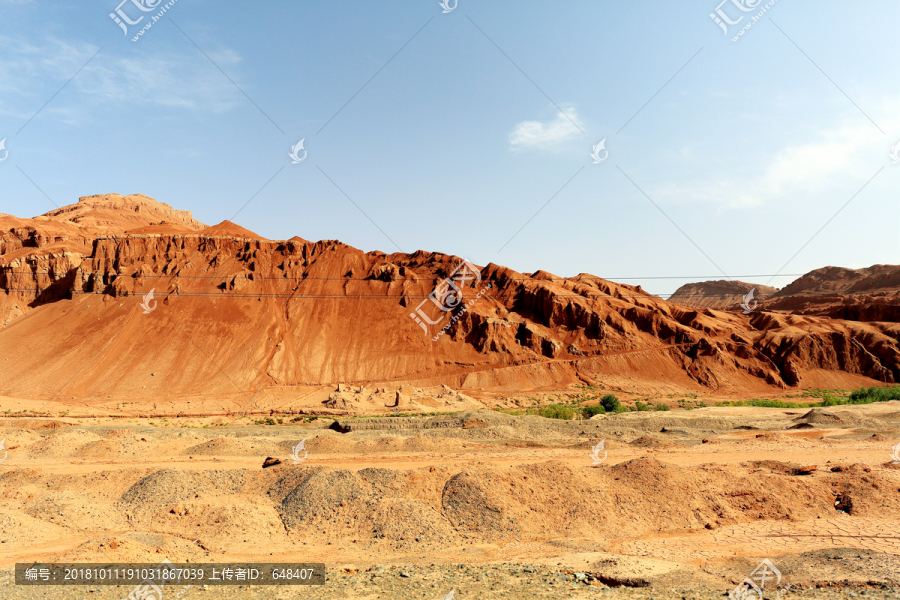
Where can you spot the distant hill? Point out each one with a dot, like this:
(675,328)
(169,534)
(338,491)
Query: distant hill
(871,294)
(721,294)
(114,213)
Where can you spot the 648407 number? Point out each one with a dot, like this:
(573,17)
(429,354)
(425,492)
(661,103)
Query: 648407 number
(292,574)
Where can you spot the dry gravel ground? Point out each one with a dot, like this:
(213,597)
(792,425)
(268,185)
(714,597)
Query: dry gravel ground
(504,581)
(489,505)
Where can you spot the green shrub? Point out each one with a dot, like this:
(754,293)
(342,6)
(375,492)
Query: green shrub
(610,403)
(640,406)
(661,406)
(557,411)
(591,410)
(830,400)
(875,394)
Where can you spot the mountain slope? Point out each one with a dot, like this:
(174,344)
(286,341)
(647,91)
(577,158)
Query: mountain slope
(234,314)
(871,294)
(722,294)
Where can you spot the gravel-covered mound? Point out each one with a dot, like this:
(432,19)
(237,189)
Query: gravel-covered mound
(820,416)
(172,485)
(328,498)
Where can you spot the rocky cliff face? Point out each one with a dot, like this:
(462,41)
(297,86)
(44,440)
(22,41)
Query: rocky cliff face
(871,294)
(112,213)
(721,294)
(232,312)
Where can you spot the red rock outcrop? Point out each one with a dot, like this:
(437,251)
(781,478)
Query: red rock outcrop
(232,313)
(721,294)
(871,294)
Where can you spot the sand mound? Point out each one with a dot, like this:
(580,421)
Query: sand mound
(821,416)
(98,449)
(19,437)
(21,530)
(222,520)
(62,442)
(74,509)
(648,441)
(239,446)
(135,547)
(383,503)
(327,499)
(410,523)
(170,486)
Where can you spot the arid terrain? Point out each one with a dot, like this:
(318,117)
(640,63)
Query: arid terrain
(871,294)
(136,428)
(687,499)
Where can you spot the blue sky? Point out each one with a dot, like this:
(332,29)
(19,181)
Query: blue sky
(725,158)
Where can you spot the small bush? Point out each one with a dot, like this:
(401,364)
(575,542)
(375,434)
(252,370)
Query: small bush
(640,406)
(557,411)
(661,406)
(875,394)
(830,400)
(610,403)
(591,410)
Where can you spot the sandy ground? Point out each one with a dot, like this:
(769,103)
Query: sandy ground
(485,503)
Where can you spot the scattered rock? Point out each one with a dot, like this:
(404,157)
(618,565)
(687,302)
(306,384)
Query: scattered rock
(804,470)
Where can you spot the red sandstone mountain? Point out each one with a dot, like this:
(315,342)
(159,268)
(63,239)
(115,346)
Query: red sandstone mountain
(871,294)
(237,313)
(113,213)
(721,294)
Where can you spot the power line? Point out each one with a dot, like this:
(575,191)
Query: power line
(574,278)
(600,295)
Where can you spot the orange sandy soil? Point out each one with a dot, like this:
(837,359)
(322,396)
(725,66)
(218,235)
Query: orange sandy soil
(679,492)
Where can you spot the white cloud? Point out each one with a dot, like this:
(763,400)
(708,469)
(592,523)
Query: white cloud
(37,68)
(535,134)
(837,158)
